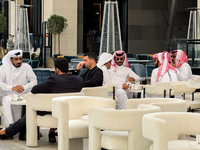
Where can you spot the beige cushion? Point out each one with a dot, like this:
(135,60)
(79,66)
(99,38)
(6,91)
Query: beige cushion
(78,129)
(109,137)
(42,121)
(177,145)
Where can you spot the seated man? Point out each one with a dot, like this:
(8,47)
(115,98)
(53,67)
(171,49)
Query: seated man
(104,64)
(93,76)
(62,82)
(15,78)
(120,71)
(180,61)
(164,72)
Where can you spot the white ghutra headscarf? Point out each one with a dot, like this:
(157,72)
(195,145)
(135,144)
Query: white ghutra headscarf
(8,64)
(104,58)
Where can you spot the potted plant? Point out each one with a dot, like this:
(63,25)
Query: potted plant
(56,25)
(3,24)
(40,59)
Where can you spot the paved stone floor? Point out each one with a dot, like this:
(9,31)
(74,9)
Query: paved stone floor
(43,143)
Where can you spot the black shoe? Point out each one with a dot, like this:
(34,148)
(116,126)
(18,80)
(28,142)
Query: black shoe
(52,138)
(2,137)
(9,138)
(56,133)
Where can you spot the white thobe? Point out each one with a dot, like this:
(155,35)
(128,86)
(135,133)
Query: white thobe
(184,72)
(120,76)
(120,93)
(24,76)
(165,78)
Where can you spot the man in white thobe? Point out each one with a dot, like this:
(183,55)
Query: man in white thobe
(180,61)
(15,78)
(104,64)
(120,72)
(164,71)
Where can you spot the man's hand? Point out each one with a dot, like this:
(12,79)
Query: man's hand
(18,88)
(125,86)
(130,79)
(80,66)
(174,65)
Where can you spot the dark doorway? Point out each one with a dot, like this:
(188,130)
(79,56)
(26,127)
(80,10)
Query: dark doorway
(92,25)
(4,11)
(35,22)
(92,22)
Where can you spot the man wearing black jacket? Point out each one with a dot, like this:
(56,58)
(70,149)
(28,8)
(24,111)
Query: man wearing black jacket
(62,82)
(94,75)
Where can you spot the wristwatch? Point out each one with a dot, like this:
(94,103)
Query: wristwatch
(77,70)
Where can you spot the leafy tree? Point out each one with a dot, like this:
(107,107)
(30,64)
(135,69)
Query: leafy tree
(3,23)
(56,25)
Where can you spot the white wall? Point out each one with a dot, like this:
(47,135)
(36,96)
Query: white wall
(67,9)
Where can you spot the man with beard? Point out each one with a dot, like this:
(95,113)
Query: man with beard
(93,75)
(120,72)
(15,78)
(164,71)
(104,64)
(180,61)
(62,82)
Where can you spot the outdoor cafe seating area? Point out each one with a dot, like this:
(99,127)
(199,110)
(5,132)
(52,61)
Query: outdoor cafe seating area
(89,120)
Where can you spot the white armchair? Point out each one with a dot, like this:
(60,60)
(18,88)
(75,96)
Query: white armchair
(112,88)
(166,104)
(122,128)
(78,107)
(165,128)
(99,91)
(40,102)
(160,88)
(182,89)
(60,111)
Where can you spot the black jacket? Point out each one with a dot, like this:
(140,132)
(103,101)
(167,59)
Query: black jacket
(93,77)
(65,83)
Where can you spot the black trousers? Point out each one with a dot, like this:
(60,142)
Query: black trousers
(16,127)
(19,126)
